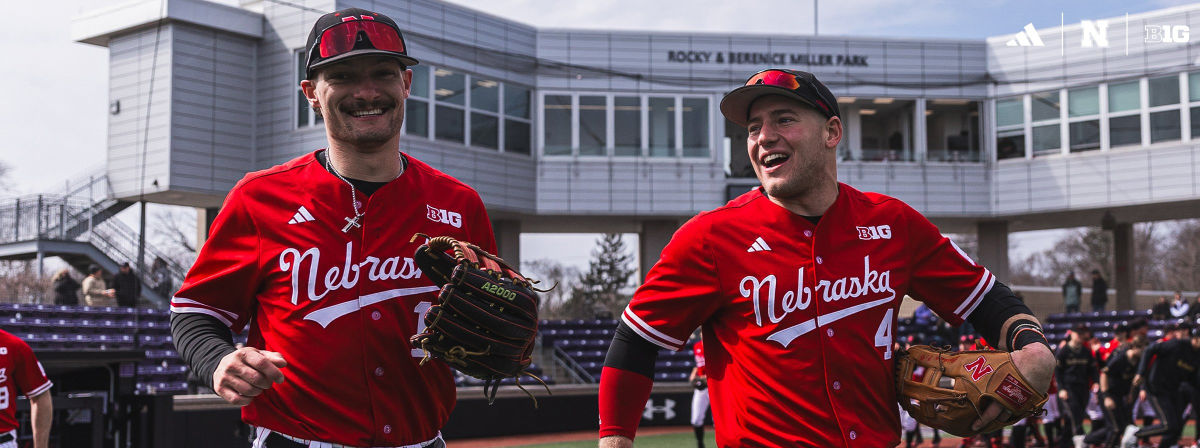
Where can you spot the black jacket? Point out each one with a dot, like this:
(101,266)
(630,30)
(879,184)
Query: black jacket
(1175,361)
(66,291)
(1077,368)
(128,288)
(1099,291)
(1120,371)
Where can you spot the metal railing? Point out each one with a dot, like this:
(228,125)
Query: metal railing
(568,364)
(53,217)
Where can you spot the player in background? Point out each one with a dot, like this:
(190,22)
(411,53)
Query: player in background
(1117,393)
(22,374)
(1077,370)
(796,285)
(314,258)
(1175,363)
(699,393)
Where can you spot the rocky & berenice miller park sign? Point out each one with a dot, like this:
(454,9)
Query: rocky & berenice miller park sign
(742,57)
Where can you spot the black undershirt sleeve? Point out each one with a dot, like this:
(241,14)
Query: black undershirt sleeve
(202,341)
(997,306)
(631,352)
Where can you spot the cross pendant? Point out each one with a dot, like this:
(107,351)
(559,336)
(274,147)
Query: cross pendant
(351,223)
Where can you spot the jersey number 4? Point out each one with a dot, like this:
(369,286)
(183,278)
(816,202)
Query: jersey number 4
(421,309)
(883,336)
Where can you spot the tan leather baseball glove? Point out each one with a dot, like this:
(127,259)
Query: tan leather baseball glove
(951,389)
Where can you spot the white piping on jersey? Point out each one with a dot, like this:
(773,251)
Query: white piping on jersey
(38,390)
(177,299)
(650,333)
(206,311)
(327,315)
(960,251)
(964,309)
(789,334)
(991,281)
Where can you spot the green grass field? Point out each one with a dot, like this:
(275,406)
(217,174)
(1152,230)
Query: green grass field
(677,440)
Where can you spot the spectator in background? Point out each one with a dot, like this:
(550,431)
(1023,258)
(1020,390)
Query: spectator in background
(127,286)
(95,290)
(1180,307)
(160,277)
(1099,291)
(1071,290)
(66,289)
(924,317)
(1161,309)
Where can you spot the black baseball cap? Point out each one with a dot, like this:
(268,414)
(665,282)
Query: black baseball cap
(354,32)
(799,85)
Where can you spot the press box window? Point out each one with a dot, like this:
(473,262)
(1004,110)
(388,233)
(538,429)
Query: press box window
(449,89)
(305,116)
(416,108)
(627,126)
(516,119)
(557,127)
(662,127)
(593,125)
(1083,110)
(695,127)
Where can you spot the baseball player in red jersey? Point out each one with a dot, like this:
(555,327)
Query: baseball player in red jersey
(22,374)
(796,286)
(699,380)
(314,257)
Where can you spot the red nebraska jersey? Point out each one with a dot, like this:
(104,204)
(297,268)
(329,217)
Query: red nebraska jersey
(801,316)
(20,374)
(698,353)
(340,307)
(1107,349)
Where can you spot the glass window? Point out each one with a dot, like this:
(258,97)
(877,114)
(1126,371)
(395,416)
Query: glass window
(1165,126)
(695,127)
(420,81)
(627,126)
(1123,97)
(516,137)
(1164,90)
(516,101)
(416,117)
(450,124)
(1195,122)
(593,125)
(662,127)
(485,130)
(1010,112)
(1085,135)
(302,110)
(1044,106)
(449,87)
(305,116)
(1047,139)
(558,124)
(1194,87)
(952,130)
(1083,102)
(1125,130)
(886,131)
(485,95)
(1010,146)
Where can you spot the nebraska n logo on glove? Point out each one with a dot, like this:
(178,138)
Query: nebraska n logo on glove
(978,368)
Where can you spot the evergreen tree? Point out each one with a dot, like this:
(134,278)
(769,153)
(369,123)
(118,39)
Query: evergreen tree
(604,287)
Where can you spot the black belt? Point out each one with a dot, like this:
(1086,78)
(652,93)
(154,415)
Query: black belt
(7,437)
(275,440)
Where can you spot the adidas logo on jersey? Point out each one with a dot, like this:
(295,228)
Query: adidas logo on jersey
(302,215)
(758,246)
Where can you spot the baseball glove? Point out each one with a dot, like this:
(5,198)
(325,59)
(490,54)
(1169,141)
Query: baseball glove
(486,316)
(956,387)
(700,383)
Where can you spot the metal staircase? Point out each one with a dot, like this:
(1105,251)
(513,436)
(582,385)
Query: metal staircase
(77,227)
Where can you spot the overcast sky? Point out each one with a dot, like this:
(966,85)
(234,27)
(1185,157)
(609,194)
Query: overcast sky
(54,112)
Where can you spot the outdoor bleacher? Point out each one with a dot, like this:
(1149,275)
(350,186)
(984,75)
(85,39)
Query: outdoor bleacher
(586,342)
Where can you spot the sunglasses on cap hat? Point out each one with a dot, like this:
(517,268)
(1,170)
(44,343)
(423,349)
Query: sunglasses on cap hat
(795,84)
(349,32)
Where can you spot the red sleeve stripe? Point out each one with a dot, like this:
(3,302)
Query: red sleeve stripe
(986,281)
(38,390)
(650,333)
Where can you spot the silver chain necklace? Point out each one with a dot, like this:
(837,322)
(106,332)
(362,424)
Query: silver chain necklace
(350,223)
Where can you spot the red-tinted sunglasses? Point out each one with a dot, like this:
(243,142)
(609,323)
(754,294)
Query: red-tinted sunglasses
(790,81)
(343,37)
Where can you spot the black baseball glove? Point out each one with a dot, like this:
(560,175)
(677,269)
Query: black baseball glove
(486,316)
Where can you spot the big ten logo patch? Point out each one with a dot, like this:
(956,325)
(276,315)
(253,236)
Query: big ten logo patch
(667,409)
(883,232)
(978,368)
(443,216)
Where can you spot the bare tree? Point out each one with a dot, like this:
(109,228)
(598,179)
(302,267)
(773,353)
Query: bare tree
(19,282)
(172,231)
(554,274)
(1181,263)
